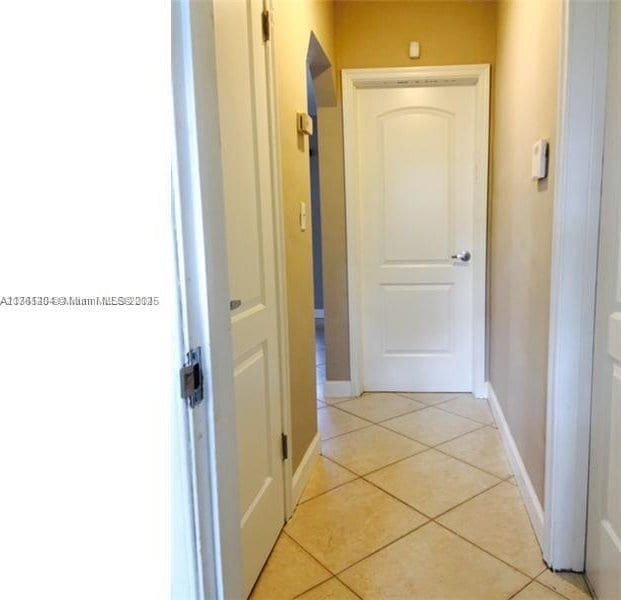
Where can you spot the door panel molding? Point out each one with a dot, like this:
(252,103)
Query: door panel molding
(459,75)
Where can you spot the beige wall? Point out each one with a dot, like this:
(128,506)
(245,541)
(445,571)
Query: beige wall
(377,34)
(294,21)
(521,221)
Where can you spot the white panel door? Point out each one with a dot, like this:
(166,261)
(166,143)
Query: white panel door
(604,523)
(416,188)
(244,116)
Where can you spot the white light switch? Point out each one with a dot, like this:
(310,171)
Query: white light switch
(540,160)
(414,49)
(305,124)
(302,216)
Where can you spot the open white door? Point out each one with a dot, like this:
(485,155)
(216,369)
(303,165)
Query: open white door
(251,248)
(604,524)
(228,226)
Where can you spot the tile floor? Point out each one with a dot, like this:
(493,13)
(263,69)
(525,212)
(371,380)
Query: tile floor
(412,498)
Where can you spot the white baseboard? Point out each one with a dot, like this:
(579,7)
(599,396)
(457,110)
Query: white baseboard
(319,312)
(525,485)
(337,389)
(305,468)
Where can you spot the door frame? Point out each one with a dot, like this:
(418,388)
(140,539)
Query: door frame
(204,292)
(577,197)
(204,289)
(353,79)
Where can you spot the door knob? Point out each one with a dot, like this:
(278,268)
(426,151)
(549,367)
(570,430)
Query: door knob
(464,256)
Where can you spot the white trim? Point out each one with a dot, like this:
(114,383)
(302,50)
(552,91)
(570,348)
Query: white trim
(580,129)
(305,468)
(319,313)
(478,75)
(525,485)
(338,389)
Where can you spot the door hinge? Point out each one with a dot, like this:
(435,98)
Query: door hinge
(285,446)
(266,25)
(191,378)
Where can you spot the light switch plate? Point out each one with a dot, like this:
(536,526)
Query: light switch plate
(305,124)
(540,160)
(414,49)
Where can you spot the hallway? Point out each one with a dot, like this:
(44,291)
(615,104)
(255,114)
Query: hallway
(411,498)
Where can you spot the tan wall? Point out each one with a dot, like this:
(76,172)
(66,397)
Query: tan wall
(377,34)
(521,221)
(294,21)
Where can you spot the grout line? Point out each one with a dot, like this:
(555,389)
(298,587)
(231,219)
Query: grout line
(336,487)
(442,401)
(326,581)
(394,462)
(332,573)
(491,487)
(345,433)
(400,500)
(521,589)
(338,435)
(350,414)
(502,478)
(536,579)
(340,465)
(432,445)
(383,547)
(409,412)
(450,412)
(433,518)
(350,589)
(502,560)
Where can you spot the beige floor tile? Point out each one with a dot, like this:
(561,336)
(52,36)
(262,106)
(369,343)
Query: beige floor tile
(289,571)
(369,449)
(430,398)
(570,585)
(431,426)
(470,407)
(329,400)
(497,522)
(536,591)
(432,482)
(326,475)
(379,407)
(332,589)
(350,522)
(481,448)
(333,422)
(433,564)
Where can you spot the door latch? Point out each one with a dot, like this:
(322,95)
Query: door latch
(191,377)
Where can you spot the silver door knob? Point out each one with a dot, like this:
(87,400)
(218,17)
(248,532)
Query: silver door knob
(464,256)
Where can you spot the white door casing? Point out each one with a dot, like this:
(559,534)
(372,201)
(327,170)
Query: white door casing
(416,180)
(578,155)
(603,558)
(252,258)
